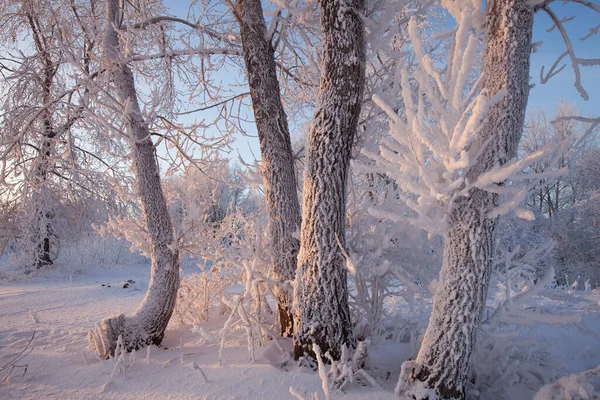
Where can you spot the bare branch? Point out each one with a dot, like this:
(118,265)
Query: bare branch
(168,18)
(13,364)
(593,31)
(214,105)
(575,61)
(179,53)
(588,4)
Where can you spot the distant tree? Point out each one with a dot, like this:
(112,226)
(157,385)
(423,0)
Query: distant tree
(552,194)
(39,114)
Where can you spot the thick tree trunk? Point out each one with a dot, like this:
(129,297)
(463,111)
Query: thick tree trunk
(442,364)
(320,293)
(278,173)
(148,324)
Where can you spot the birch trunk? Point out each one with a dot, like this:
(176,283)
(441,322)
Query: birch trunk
(320,293)
(279,178)
(148,324)
(442,364)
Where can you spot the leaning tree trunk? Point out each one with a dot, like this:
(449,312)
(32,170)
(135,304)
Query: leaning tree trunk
(148,324)
(278,173)
(320,292)
(442,364)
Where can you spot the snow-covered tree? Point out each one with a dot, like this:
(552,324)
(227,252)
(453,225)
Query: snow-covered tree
(148,324)
(451,154)
(553,194)
(446,161)
(565,204)
(39,117)
(322,315)
(277,158)
(442,364)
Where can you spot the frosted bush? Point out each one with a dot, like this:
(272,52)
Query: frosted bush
(392,265)
(581,386)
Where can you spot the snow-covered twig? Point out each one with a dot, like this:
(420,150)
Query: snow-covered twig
(13,364)
(322,371)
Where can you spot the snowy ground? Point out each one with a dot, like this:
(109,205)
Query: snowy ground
(61,308)
(60,367)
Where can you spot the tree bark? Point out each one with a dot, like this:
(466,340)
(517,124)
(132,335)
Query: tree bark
(320,292)
(44,214)
(279,178)
(148,324)
(43,226)
(442,364)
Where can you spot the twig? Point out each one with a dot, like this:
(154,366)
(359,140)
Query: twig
(13,364)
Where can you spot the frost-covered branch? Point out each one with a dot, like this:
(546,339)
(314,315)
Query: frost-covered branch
(432,149)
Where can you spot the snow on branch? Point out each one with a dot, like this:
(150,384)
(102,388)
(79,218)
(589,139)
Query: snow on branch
(167,18)
(427,150)
(433,140)
(593,124)
(186,52)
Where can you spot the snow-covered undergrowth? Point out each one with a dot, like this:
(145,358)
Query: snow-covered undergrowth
(89,252)
(225,323)
(61,310)
(532,338)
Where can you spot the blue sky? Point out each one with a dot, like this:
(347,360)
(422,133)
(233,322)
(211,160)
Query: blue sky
(546,95)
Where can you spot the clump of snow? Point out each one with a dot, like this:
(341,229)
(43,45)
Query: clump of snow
(573,387)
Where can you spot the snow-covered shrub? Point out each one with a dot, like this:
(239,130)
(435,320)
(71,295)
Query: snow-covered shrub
(73,241)
(390,263)
(201,292)
(581,386)
(250,299)
(92,248)
(198,202)
(343,372)
(523,253)
(233,282)
(508,352)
